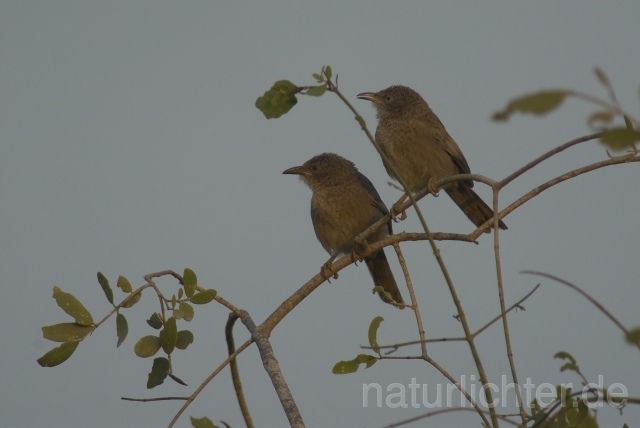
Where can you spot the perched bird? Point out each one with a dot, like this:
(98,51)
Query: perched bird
(345,203)
(421,149)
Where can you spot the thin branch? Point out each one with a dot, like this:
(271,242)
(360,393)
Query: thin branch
(514,306)
(146,400)
(414,301)
(273,369)
(460,339)
(441,411)
(546,156)
(235,373)
(207,380)
(586,295)
(551,183)
(503,311)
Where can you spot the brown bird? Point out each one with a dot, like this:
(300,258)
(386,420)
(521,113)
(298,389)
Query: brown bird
(421,149)
(345,203)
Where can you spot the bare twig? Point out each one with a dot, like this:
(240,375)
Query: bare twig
(586,295)
(442,411)
(207,380)
(414,301)
(146,400)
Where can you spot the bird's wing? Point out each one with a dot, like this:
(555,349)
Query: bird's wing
(376,200)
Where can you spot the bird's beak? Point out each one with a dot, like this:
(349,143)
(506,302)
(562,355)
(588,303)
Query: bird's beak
(298,170)
(369,96)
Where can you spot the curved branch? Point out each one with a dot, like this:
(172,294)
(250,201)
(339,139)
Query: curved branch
(235,373)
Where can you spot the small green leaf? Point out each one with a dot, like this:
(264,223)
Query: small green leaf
(619,138)
(72,306)
(565,356)
(180,293)
(600,116)
(159,372)
(204,297)
(124,284)
(316,91)
(104,283)
(122,329)
(346,367)
(177,314)
(328,72)
(202,423)
(538,103)
(58,355)
(133,299)
(155,321)
(147,346)
(169,335)
(189,281)
(318,77)
(373,334)
(174,301)
(66,332)
(278,100)
(187,311)
(386,296)
(569,366)
(177,379)
(185,338)
(633,336)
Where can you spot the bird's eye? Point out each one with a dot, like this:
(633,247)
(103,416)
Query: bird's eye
(388,98)
(314,168)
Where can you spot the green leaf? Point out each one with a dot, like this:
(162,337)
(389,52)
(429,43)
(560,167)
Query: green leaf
(202,423)
(565,356)
(133,299)
(189,281)
(66,332)
(328,72)
(180,293)
(187,311)
(147,346)
(177,379)
(169,335)
(122,329)
(204,297)
(317,91)
(174,300)
(72,306)
(619,138)
(155,321)
(104,283)
(373,334)
(124,284)
(278,100)
(633,336)
(185,338)
(159,372)
(318,77)
(346,367)
(538,103)
(58,355)
(600,116)
(178,314)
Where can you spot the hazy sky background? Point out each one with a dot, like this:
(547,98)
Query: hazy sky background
(129,144)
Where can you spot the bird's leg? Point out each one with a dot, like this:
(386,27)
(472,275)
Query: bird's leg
(326,270)
(432,188)
(396,209)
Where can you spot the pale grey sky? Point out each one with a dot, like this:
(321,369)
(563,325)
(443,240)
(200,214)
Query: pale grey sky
(129,143)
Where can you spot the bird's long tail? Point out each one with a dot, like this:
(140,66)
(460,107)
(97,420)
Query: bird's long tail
(383,277)
(471,204)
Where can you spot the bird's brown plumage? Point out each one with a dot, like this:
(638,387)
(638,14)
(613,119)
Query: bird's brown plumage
(417,143)
(345,203)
